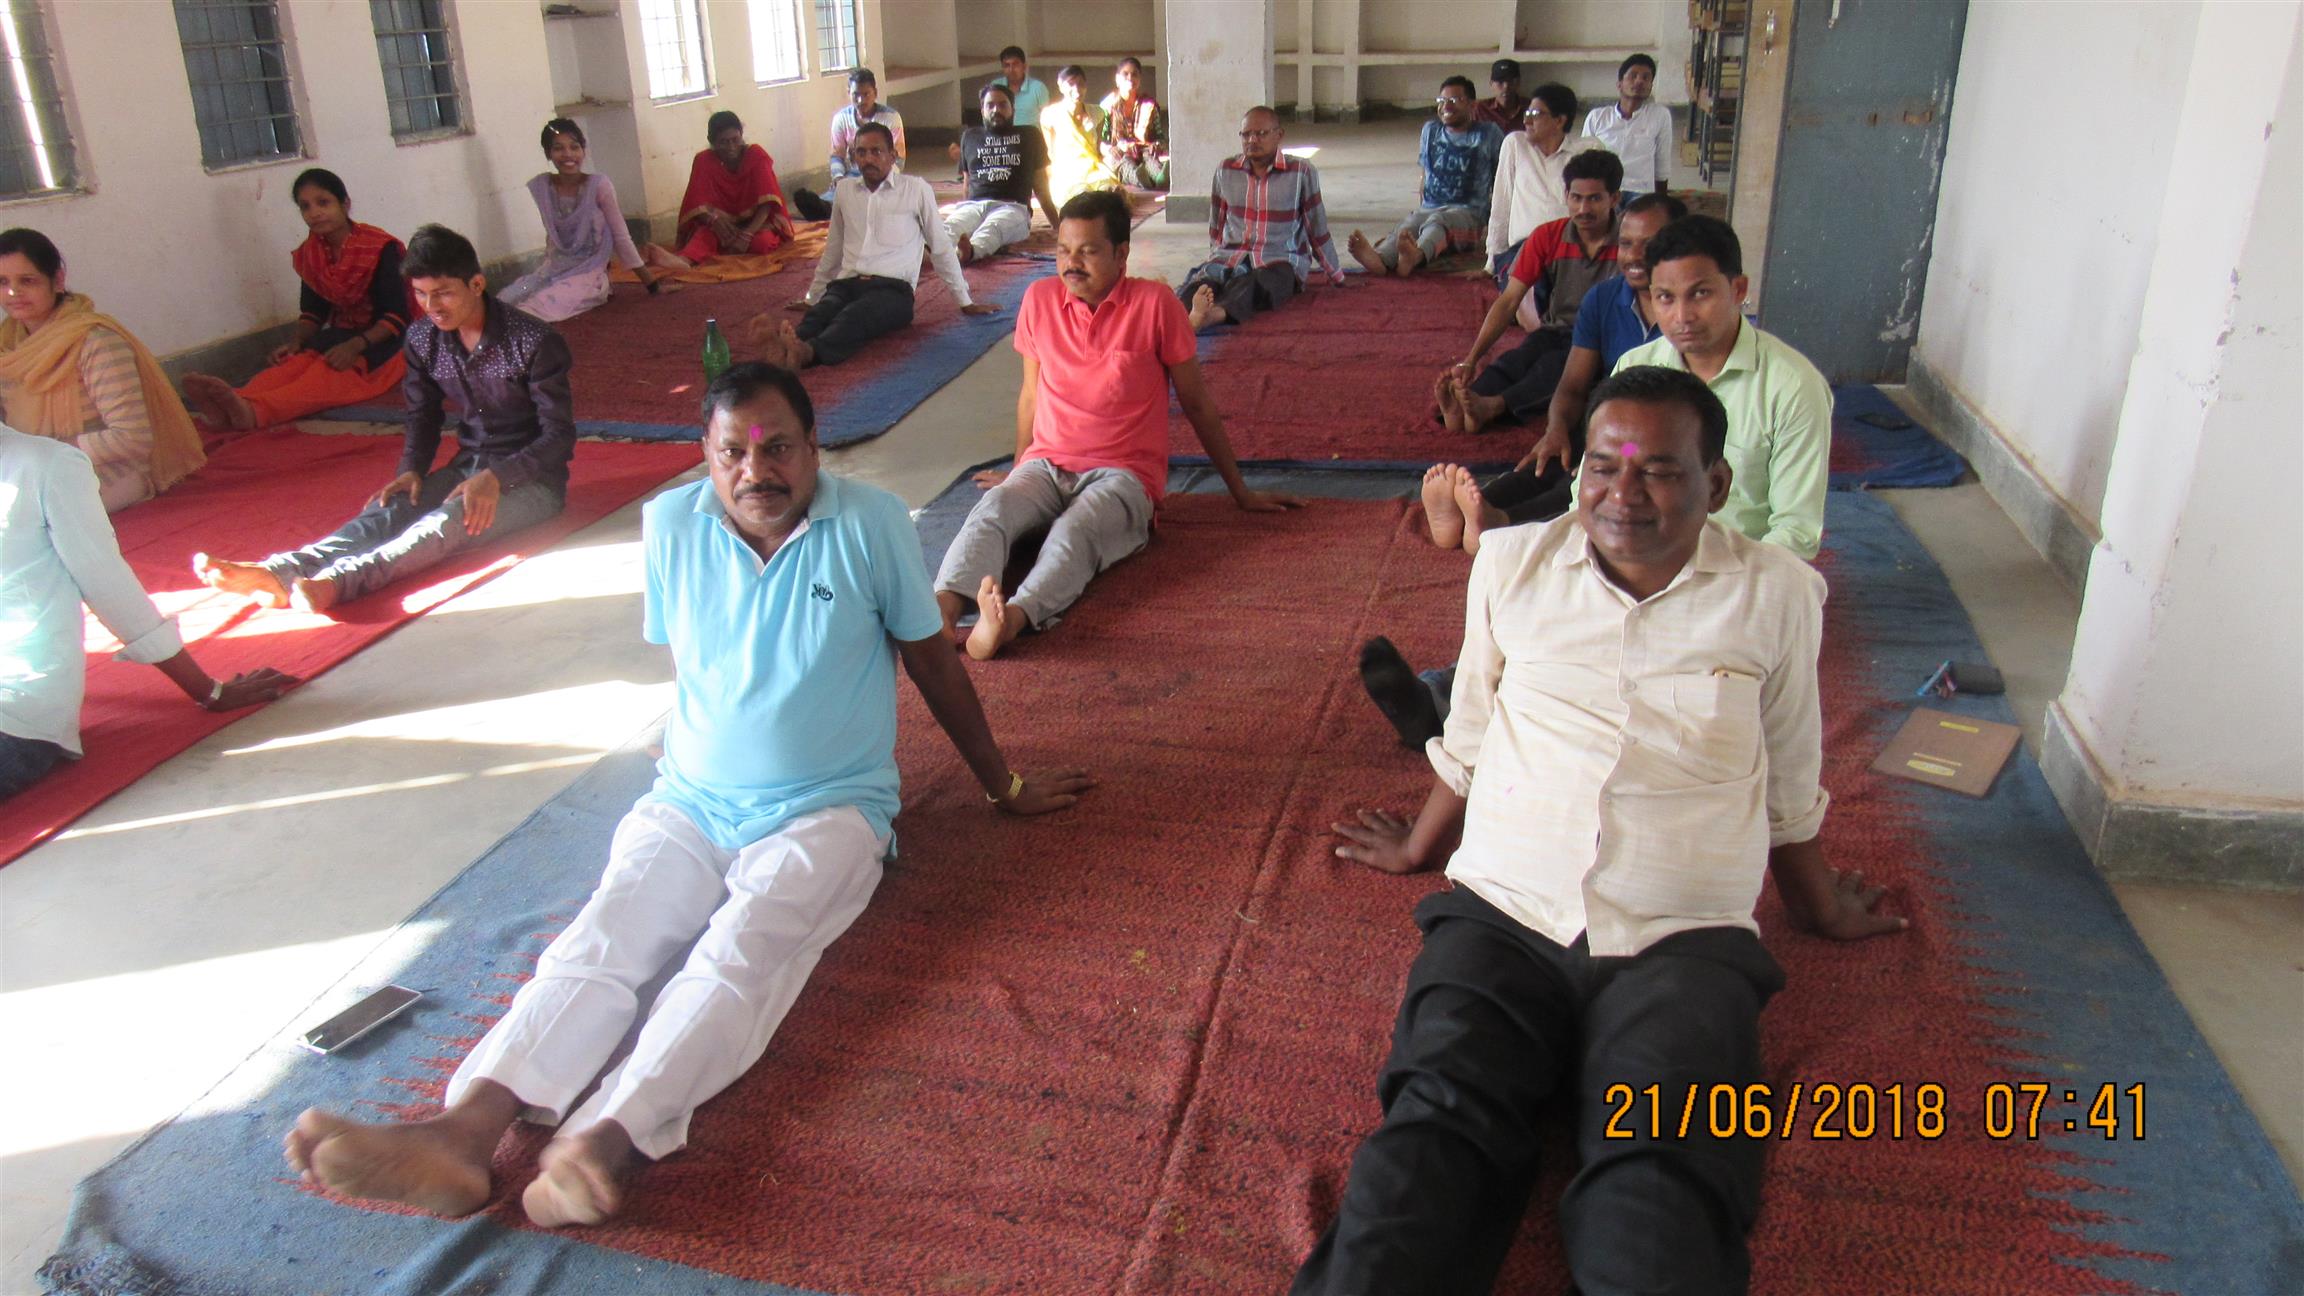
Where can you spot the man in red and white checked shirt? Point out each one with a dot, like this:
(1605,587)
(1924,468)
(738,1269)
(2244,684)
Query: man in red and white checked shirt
(1267,230)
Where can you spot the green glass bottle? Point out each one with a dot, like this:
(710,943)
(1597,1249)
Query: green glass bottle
(716,358)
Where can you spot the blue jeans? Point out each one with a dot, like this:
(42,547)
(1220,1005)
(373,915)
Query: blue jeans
(387,541)
(23,761)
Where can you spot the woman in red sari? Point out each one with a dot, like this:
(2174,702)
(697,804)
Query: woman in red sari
(734,203)
(353,310)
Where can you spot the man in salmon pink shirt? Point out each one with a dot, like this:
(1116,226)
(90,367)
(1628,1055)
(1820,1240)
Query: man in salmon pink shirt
(1100,353)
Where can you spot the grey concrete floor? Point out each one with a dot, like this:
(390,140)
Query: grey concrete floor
(187,921)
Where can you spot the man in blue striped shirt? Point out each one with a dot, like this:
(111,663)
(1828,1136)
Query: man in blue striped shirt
(1457,157)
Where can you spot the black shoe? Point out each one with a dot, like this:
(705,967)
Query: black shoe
(1396,691)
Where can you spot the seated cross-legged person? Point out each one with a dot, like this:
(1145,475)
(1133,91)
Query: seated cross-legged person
(1457,159)
(353,309)
(786,595)
(1636,744)
(1135,138)
(58,551)
(1614,318)
(882,220)
(1267,230)
(507,371)
(1005,165)
(734,204)
(1556,266)
(1529,189)
(1073,126)
(1101,352)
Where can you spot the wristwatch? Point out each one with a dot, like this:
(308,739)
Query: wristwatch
(216,693)
(1015,786)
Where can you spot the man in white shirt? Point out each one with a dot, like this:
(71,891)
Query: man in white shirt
(1636,128)
(1636,739)
(1530,190)
(57,551)
(881,221)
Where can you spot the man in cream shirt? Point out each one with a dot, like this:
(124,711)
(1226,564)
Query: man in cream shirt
(1635,740)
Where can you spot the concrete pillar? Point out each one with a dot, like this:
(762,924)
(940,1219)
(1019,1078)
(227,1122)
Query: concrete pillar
(2177,746)
(1218,62)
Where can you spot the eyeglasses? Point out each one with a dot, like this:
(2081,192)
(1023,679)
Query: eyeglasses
(1446,101)
(1535,111)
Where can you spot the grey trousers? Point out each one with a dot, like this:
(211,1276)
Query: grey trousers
(383,543)
(1432,229)
(1094,520)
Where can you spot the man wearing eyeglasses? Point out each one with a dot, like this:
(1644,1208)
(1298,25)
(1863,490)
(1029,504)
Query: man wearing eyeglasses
(1267,231)
(1530,189)
(1457,158)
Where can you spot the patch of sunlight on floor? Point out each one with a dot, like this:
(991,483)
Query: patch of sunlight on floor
(594,571)
(332,794)
(65,1087)
(594,716)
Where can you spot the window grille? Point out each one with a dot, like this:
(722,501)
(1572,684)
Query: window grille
(35,147)
(237,62)
(839,41)
(776,40)
(419,66)
(673,32)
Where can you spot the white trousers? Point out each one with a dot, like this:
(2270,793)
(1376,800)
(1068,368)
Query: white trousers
(766,913)
(989,223)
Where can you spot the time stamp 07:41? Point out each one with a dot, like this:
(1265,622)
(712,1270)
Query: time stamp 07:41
(2022,1110)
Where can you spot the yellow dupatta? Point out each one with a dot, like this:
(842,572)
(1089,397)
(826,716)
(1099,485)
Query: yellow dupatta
(40,374)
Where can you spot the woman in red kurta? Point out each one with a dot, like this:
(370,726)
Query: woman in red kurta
(734,203)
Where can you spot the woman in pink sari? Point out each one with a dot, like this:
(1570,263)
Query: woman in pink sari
(734,204)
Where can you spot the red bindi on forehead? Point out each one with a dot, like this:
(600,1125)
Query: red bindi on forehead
(757,435)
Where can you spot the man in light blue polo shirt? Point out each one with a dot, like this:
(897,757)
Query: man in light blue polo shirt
(787,596)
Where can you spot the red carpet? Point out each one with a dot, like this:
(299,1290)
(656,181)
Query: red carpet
(1130,1049)
(1344,375)
(259,494)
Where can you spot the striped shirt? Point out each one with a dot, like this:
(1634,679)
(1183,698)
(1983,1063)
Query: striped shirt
(1277,216)
(116,433)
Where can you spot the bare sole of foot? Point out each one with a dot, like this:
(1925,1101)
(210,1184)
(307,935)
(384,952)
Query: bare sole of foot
(1472,507)
(580,1179)
(217,402)
(313,595)
(1441,514)
(418,1164)
(1451,400)
(245,579)
(1366,254)
(1204,311)
(992,631)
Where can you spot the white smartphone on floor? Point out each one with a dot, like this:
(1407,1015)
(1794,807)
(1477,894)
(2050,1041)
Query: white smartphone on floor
(359,1019)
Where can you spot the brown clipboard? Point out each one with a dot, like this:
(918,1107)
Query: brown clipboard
(1949,751)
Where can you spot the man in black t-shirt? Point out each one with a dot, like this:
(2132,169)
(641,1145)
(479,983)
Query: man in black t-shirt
(1006,166)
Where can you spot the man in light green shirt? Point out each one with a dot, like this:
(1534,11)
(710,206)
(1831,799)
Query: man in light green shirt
(1779,406)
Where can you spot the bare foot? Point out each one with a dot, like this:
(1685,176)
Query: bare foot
(245,579)
(997,622)
(1450,396)
(1204,311)
(1480,411)
(967,251)
(581,1178)
(1366,254)
(1410,257)
(309,594)
(1440,511)
(798,354)
(1473,507)
(214,400)
(664,259)
(438,1165)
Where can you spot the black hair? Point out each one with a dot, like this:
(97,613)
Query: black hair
(1637,60)
(438,252)
(1672,207)
(1129,62)
(562,126)
(1657,385)
(1015,52)
(997,86)
(1704,236)
(740,384)
(1471,91)
(1594,164)
(720,121)
(875,128)
(1103,205)
(33,246)
(1072,72)
(862,76)
(321,178)
(1558,100)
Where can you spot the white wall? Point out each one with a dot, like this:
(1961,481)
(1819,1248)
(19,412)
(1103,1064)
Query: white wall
(183,257)
(2049,211)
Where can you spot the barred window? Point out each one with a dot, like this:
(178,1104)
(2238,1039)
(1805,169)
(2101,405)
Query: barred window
(419,66)
(35,148)
(237,62)
(673,32)
(839,41)
(776,40)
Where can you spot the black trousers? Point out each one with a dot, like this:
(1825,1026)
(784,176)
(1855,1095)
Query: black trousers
(1526,375)
(808,206)
(1243,290)
(23,761)
(1496,1022)
(852,312)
